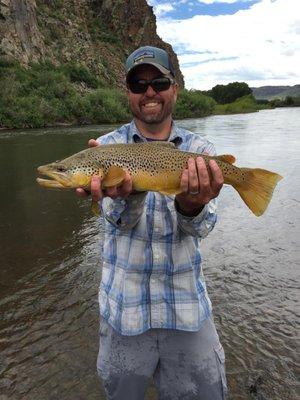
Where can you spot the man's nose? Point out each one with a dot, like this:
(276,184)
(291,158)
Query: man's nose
(150,92)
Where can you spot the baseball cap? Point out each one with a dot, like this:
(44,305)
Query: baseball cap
(155,56)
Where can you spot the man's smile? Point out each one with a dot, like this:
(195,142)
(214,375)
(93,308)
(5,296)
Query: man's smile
(153,105)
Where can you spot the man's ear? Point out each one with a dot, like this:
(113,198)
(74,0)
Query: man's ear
(176,89)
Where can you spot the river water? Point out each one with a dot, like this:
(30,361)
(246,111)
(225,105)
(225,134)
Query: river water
(50,266)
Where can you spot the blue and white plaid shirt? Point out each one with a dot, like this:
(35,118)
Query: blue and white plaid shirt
(152,275)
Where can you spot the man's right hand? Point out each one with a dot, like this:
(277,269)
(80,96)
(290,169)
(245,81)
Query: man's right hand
(96,191)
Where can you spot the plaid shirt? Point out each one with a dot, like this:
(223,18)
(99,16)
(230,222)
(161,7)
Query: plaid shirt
(152,275)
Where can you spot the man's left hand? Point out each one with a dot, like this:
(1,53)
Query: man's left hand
(199,185)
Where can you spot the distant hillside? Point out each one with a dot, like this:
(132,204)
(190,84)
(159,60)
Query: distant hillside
(62,62)
(96,34)
(276,92)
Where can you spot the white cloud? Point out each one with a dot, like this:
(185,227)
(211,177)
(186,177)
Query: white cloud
(260,45)
(160,9)
(222,1)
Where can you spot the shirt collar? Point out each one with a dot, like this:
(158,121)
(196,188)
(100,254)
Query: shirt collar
(175,135)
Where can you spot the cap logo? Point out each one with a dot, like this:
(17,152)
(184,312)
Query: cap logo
(143,54)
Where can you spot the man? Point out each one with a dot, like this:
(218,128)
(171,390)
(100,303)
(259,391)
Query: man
(155,311)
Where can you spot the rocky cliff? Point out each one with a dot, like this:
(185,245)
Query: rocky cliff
(98,34)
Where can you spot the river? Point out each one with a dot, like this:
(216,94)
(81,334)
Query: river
(50,265)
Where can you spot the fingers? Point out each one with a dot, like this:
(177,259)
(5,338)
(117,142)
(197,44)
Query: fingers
(121,191)
(82,193)
(204,180)
(193,177)
(93,143)
(96,191)
(217,179)
(126,187)
(184,184)
(200,182)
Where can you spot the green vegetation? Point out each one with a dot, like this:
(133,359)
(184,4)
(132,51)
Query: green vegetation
(192,104)
(224,94)
(289,101)
(241,105)
(45,94)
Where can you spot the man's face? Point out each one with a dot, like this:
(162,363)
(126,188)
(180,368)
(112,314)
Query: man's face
(151,107)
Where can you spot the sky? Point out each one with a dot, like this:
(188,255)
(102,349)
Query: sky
(223,41)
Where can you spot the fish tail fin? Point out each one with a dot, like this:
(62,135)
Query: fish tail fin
(257,189)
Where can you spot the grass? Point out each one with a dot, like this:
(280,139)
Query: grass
(242,105)
(45,94)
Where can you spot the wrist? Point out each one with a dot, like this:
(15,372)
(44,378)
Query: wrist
(188,210)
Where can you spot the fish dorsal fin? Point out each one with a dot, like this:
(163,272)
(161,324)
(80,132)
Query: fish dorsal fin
(226,158)
(162,143)
(114,177)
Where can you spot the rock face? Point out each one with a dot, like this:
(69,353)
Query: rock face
(98,34)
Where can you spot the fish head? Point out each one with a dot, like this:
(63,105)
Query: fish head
(69,173)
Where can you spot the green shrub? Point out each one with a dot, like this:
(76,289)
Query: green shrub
(45,94)
(244,104)
(224,94)
(107,105)
(193,104)
(78,73)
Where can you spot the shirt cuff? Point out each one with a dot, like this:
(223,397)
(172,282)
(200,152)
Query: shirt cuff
(195,219)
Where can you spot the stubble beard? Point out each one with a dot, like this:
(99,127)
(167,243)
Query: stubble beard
(153,119)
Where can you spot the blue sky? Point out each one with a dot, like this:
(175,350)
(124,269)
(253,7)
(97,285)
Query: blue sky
(190,8)
(217,42)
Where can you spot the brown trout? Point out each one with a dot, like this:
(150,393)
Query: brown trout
(154,166)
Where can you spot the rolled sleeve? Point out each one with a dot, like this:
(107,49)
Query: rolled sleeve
(124,213)
(201,224)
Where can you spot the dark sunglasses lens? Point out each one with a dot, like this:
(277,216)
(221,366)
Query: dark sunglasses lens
(157,84)
(138,86)
(160,84)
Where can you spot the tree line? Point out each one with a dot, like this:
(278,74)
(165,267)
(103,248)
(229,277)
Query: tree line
(46,95)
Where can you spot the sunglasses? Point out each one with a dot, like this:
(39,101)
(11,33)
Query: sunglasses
(141,85)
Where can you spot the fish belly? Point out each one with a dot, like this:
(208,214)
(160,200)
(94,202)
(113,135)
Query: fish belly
(164,182)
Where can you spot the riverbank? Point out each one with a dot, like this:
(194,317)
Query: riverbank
(46,95)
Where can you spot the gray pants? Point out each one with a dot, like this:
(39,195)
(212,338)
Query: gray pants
(184,365)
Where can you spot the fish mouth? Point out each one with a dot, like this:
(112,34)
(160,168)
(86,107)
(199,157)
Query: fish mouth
(57,179)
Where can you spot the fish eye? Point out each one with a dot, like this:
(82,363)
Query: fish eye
(61,168)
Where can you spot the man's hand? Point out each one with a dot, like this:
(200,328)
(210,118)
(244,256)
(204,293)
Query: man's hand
(199,185)
(79,191)
(96,191)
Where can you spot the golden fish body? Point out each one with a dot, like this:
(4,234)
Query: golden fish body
(154,166)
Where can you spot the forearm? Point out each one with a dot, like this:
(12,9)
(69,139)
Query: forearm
(201,224)
(188,211)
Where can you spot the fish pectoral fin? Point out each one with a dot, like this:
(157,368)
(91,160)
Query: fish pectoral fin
(227,158)
(95,208)
(114,177)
